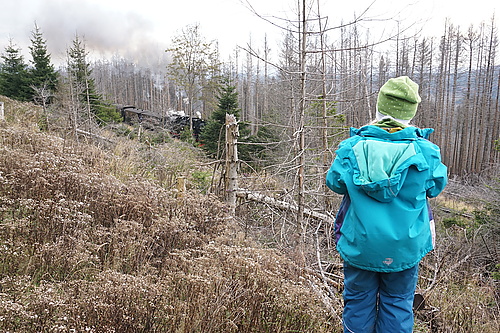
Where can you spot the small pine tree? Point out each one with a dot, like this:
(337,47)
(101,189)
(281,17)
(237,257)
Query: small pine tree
(43,76)
(213,135)
(82,81)
(14,81)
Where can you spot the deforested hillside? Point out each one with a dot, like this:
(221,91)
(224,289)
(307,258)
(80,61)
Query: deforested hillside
(96,235)
(91,241)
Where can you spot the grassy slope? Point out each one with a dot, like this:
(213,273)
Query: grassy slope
(90,242)
(96,240)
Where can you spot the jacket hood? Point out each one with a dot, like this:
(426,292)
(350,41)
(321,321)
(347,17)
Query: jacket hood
(383,159)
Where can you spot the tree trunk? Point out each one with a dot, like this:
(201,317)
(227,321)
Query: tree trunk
(232,133)
(301,158)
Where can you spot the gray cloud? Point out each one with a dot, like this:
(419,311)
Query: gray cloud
(105,31)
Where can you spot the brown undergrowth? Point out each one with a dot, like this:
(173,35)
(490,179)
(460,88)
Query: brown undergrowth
(90,244)
(458,277)
(98,240)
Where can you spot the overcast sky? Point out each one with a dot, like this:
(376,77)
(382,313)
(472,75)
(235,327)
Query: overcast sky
(146,27)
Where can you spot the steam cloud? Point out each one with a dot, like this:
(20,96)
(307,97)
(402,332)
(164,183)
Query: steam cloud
(105,31)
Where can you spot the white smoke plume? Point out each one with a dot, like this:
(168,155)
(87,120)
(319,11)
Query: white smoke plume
(107,31)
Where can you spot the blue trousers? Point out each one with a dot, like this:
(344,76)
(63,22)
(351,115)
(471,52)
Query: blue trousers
(378,302)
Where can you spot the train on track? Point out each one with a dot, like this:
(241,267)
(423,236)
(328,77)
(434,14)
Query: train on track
(174,121)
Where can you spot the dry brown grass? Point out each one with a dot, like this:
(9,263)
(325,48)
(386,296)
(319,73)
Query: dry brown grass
(456,278)
(96,240)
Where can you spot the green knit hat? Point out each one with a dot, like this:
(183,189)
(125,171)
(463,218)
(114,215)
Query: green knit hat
(399,98)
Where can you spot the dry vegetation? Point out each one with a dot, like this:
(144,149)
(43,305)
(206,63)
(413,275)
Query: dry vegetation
(90,242)
(96,239)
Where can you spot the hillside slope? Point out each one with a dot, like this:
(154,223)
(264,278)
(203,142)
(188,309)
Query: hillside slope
(90,243)
(94,237)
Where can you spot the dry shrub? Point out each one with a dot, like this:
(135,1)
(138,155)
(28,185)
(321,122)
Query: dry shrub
(21,113)
(84,250)
(462,301)
(213,290)
(163,163)
(457,282)
(465,308)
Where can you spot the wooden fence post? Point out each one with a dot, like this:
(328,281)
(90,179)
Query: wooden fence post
(232,133)
(181,186)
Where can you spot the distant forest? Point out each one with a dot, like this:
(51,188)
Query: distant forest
(458,77)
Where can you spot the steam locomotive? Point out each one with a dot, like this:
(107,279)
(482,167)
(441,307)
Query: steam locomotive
(174,121)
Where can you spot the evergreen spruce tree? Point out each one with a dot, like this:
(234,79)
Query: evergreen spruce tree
(80,73)
(43,76)
(14,81)
(213,135)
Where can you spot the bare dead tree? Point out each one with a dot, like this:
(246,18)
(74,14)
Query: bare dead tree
(232,134)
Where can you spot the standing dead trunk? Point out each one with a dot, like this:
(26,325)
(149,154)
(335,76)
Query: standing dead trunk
(301,223)
(232,133)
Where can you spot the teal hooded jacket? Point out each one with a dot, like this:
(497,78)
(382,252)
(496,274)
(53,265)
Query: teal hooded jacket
(384,223)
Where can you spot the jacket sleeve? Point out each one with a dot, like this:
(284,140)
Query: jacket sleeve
(439,175)
(339,168)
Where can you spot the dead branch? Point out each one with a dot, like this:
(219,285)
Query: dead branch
(282,205)
(93,135)
(436,280)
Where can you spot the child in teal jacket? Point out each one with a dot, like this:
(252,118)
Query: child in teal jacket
(384,227)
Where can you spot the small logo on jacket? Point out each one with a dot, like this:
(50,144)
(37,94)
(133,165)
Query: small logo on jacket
(388,261)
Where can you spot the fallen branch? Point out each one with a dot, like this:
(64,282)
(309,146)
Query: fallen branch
(283,205)
(93,135)
(456,212)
